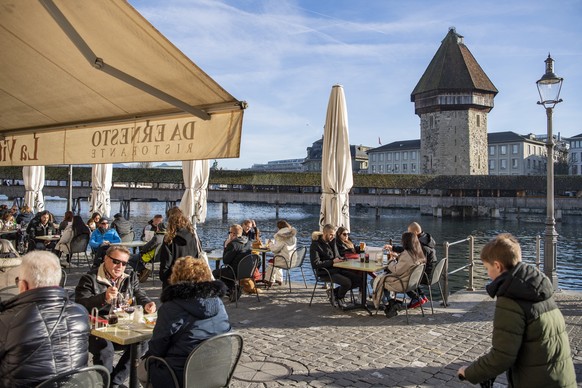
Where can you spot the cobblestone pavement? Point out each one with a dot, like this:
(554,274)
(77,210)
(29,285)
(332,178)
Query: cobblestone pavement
(288,343)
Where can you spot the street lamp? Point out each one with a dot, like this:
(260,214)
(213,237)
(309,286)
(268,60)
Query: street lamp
(549,87)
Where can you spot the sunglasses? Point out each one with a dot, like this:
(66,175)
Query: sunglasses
(117,262)
(345,234)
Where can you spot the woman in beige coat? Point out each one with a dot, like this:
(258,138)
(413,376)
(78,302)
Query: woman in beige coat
(400,269)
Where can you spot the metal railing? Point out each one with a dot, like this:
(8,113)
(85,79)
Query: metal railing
(470,264)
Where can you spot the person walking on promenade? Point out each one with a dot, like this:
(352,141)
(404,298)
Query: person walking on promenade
(323,254)
(284,245)
(530,342)
(42,332)
(100,288)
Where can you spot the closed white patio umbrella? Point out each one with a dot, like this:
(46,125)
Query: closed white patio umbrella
(336,163)
(33,177)
(101,176)
(193,203)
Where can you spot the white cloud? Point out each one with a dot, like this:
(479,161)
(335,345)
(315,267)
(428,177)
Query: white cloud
(284,56)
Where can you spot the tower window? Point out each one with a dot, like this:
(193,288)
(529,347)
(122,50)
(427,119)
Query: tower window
(478,120)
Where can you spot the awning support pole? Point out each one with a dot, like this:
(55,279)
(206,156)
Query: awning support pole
(99,63)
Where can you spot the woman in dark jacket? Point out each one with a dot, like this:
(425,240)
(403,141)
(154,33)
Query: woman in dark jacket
(180,241)
(192,311)
(344,243)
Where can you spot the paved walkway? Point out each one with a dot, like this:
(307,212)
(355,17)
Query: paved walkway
(288,343)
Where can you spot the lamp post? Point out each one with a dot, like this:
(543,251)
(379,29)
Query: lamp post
(549,87)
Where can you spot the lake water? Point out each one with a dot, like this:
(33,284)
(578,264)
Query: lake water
(375,232)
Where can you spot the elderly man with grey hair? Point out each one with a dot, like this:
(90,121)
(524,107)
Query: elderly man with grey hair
(42,332)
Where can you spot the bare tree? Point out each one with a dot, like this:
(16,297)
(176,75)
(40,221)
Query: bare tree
(145,165)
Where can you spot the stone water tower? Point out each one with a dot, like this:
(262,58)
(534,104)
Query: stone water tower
(452,99)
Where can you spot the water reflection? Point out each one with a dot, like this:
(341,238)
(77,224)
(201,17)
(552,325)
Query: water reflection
(391,224)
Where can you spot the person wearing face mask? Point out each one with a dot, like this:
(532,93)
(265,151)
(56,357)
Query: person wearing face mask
(101,239)
(100,288)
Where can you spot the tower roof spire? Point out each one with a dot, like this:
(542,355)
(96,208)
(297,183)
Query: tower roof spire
(453,69)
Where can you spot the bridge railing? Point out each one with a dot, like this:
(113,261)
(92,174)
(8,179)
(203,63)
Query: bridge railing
(470,240)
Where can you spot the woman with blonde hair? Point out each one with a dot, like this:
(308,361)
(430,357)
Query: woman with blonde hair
(180,241)
(191,312)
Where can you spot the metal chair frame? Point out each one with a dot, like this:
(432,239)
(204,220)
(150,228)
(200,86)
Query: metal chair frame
(323,278)
(63,380)
(203,353)
(244,271)
(83,238)
(436,279)
(295,261)
(413,282)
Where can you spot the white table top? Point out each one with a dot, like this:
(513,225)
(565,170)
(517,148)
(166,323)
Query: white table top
(356,265)
(52,237)
(131,244)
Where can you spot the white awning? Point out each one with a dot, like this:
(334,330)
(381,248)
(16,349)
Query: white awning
(94,82)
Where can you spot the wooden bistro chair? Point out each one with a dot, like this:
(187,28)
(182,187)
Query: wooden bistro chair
(210,364)
(295,261)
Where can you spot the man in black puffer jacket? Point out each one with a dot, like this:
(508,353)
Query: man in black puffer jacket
(236,248)
(42,332)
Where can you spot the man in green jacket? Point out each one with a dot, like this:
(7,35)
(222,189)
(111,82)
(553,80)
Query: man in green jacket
(529,341)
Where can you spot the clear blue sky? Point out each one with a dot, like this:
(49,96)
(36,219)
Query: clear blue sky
(283,57)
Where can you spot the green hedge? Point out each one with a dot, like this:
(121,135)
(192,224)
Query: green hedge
(388,181)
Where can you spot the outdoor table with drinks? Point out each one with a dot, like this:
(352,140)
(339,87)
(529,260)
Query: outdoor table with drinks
(375,260)
(126,324)
(131,244)
(263,249)
(49,237)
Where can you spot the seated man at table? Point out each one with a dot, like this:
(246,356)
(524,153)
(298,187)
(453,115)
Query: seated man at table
(100,288)
(41,226)
(237,247)
(323,254)
(154,225)
(42,332)
(146,255)
(101,238)
(122,226)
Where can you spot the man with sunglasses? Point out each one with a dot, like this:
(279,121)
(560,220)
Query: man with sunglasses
(101,238)
(100,288)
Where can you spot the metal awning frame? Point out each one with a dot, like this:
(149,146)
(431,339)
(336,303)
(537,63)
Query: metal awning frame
(99,64)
